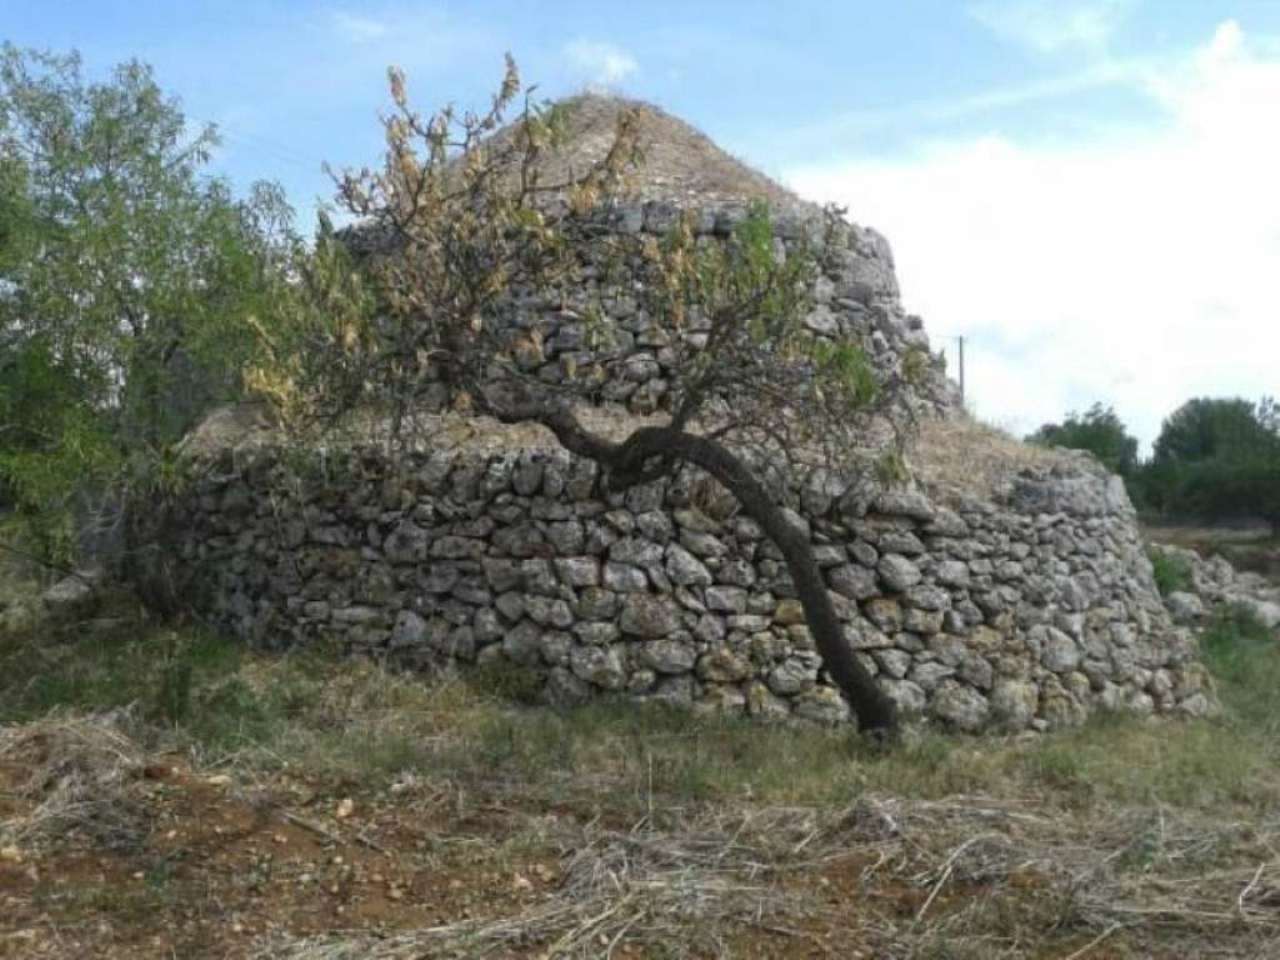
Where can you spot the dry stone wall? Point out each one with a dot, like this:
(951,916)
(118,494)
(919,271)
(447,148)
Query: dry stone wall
(1213,583)
(1029,609)
(1026,609)
(553,337)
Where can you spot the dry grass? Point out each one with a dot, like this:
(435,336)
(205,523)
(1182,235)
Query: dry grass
(75,778)
(658,833)
(988,876)
(951,456)
(610,830)
(960,455)
(647,888)
(250,426)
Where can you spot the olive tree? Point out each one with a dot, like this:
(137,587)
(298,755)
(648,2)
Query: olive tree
(462,204)
(129,283)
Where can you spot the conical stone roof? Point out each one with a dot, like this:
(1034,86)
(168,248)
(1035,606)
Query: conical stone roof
(681,165)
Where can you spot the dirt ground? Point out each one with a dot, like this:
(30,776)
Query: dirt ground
(1250,547)
(226,872)
(168,794)
(126,854)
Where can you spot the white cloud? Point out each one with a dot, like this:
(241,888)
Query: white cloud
(1101,74)
(1139,271)
(601,63)
(1052,26)
(357,29)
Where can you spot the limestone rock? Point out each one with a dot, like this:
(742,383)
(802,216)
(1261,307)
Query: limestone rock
(960,707)
(410,630)
(726,599)
(624,578)
(686,569)
(854,582)
(1014,703)
(907,696)
(723,666)
(898,573)
(1059,653)
(885,613)
(649,615)
(790,677)
(720,699)
(822,705)
(668,656)
(578,571)
(74,596)
(1184,607)
(762,703)
(600,666)
(406,544)
(789,613)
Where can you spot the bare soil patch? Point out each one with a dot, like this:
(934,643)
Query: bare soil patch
(312,807)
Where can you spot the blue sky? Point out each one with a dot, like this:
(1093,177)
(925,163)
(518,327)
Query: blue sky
(1085,188)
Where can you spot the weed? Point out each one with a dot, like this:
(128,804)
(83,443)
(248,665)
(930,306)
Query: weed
(508,682)
(1171,573)
(174,683)
(1058,766)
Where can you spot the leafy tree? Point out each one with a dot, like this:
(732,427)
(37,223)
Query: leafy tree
(127,281)
(462,204)
(1100,431)
(1232,488)
(1217,458)
(1208,427)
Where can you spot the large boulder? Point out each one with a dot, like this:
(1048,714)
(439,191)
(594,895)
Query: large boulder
(75,596)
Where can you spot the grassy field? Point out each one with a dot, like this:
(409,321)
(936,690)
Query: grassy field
(1251,548)
(168,794)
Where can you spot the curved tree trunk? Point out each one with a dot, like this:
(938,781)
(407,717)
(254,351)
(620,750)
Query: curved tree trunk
(874,710)
(626,464)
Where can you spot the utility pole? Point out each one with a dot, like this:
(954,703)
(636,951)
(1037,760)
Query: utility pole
(959,339)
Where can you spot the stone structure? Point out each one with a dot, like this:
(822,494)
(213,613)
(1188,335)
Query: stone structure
(1025,605)
(1214,582)
(1026,610)
(626,360)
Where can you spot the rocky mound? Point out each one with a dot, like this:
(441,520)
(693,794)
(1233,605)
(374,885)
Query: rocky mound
(1214,582)
(1007,588)
(681,164)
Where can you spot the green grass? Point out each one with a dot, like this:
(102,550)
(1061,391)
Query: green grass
(357,723)
(1244,656)
(1171,573)
(101,671)
(1146,809)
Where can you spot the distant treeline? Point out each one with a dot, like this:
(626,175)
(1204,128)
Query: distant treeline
(1216,459)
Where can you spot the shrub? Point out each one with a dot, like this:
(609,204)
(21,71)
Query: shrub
(132,289)
(1235,629)
(1242,654)
(1171,572)
(508,682)
(1099,431)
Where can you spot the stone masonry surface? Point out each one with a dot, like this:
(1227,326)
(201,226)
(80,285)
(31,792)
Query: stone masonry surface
(552,337)
(1027,610)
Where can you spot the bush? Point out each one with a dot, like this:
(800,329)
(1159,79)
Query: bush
(1235,630)
(1243,656)
(1226,489)
(1215,460)
(508,682)
(1171,572)
(134,289)
(1099,431)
